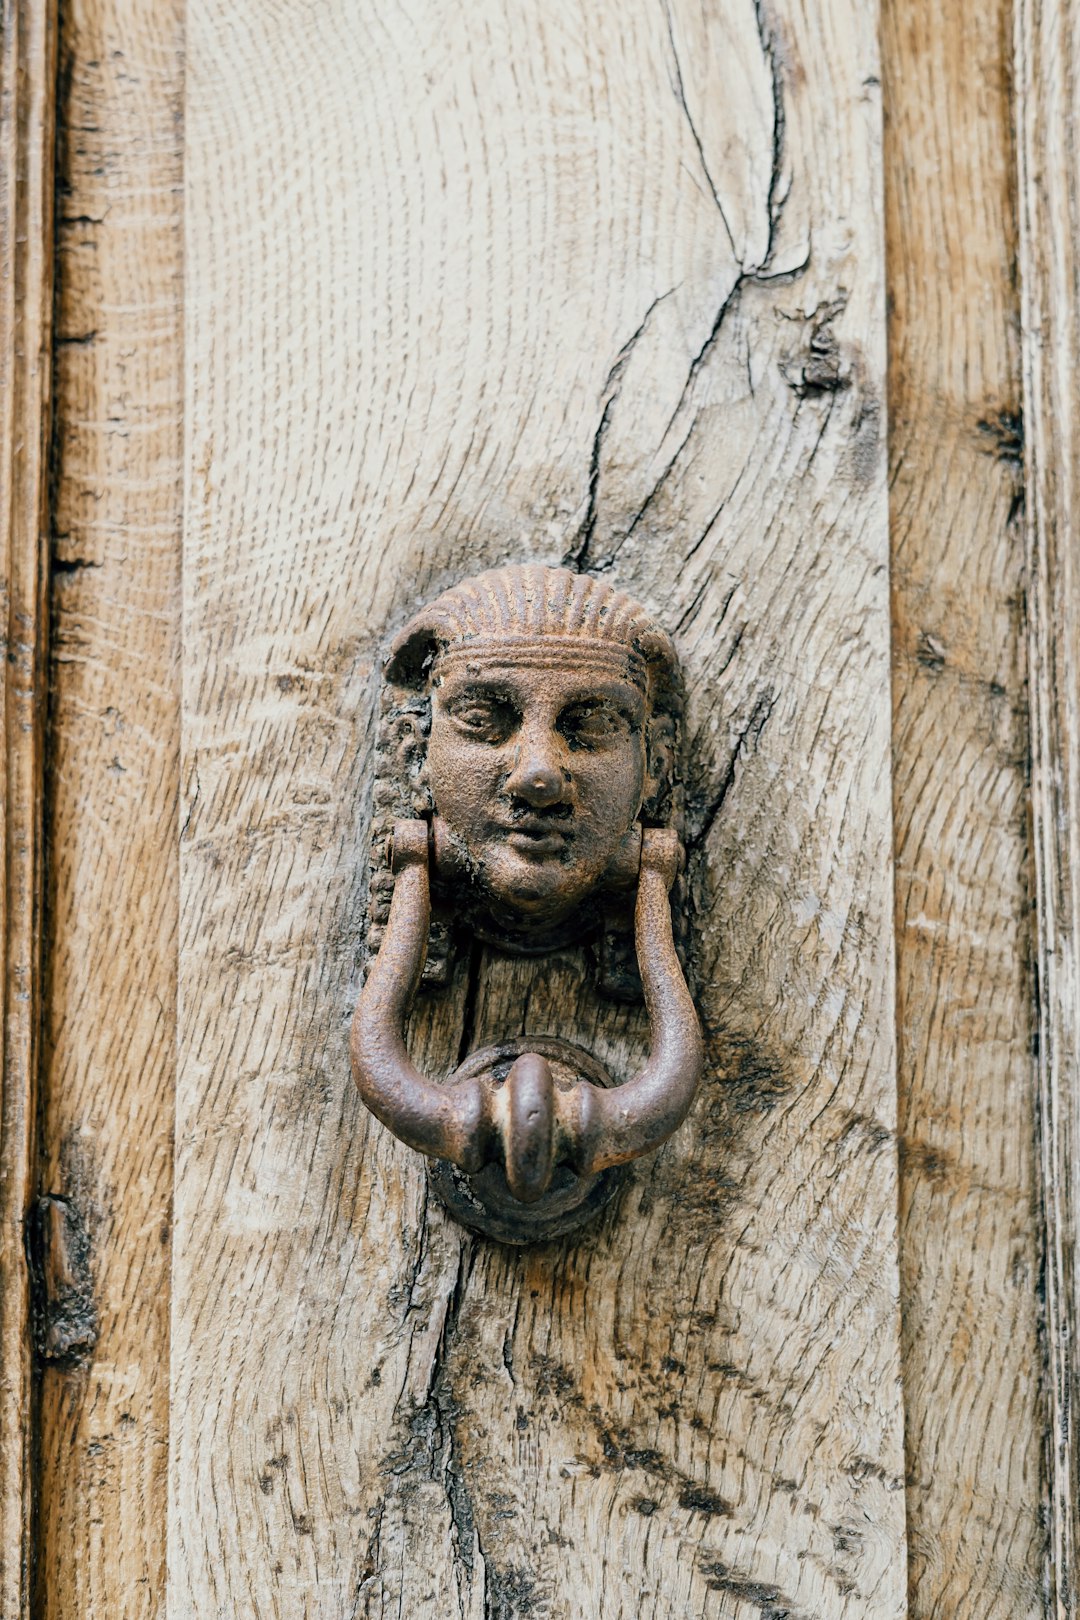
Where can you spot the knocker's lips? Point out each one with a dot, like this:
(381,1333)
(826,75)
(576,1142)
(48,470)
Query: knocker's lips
(536,833)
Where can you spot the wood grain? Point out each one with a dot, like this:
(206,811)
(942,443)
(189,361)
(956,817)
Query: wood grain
(463,287)
(970,1251)
(27,71)
(113,777)
(1047,38)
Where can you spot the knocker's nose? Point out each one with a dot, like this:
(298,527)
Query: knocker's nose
(537,778)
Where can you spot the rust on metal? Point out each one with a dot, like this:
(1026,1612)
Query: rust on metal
(526,764)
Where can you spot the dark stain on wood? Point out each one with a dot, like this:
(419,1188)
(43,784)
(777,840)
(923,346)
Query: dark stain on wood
(58,1249)
(698,1499)
(768,1599)
(754,1082)
(1002,430)
(509,1593)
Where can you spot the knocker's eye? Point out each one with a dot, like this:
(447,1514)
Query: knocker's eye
(593,725)
(487,719)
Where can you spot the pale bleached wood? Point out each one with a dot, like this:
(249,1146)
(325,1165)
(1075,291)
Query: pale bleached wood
(1048,106)
(465,285)
(27,72)
(113,776)
(970,1250)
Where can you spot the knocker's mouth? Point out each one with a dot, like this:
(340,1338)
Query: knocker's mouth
(538,833)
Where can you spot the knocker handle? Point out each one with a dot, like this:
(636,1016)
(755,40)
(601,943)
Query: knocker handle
(526,1124)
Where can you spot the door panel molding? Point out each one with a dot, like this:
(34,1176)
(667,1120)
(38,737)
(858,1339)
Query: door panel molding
(112,790)
(1048,146)
(970,1244)
(27,80)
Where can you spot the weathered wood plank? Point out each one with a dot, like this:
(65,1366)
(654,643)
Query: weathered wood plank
(27,73)
(970,1251)
(462,288)
(1048,102)
(109,1066)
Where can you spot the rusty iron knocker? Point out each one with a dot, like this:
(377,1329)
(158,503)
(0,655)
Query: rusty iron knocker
(530,719)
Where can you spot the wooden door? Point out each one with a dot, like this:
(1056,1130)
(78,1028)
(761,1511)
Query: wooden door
(765,313)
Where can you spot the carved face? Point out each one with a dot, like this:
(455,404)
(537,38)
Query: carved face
(537,764)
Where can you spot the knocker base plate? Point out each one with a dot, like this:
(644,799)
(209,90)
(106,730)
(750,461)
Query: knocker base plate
(483,1201)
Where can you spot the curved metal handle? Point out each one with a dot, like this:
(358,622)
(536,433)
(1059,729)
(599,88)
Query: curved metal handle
(446,1122)
(527,1123)
(605,1128)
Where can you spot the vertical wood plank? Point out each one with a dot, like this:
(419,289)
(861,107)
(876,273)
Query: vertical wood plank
(113,777)
(1048,122)
(970,1248)
(27,81)
(604,284)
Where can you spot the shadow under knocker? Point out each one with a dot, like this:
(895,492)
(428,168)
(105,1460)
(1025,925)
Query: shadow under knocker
(526,766)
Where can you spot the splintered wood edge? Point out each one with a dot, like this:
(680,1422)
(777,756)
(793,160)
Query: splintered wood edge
(1047,65)
(27,129)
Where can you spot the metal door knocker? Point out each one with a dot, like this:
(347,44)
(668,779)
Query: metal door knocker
(525,792)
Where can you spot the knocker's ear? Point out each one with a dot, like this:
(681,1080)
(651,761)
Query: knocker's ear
(661,746)
(411,654)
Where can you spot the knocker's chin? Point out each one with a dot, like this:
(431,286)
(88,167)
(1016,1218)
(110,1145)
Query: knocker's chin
(542,886)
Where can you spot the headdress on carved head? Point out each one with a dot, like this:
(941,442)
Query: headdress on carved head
(517,609)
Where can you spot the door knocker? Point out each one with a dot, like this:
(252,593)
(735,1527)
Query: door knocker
(524,791)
